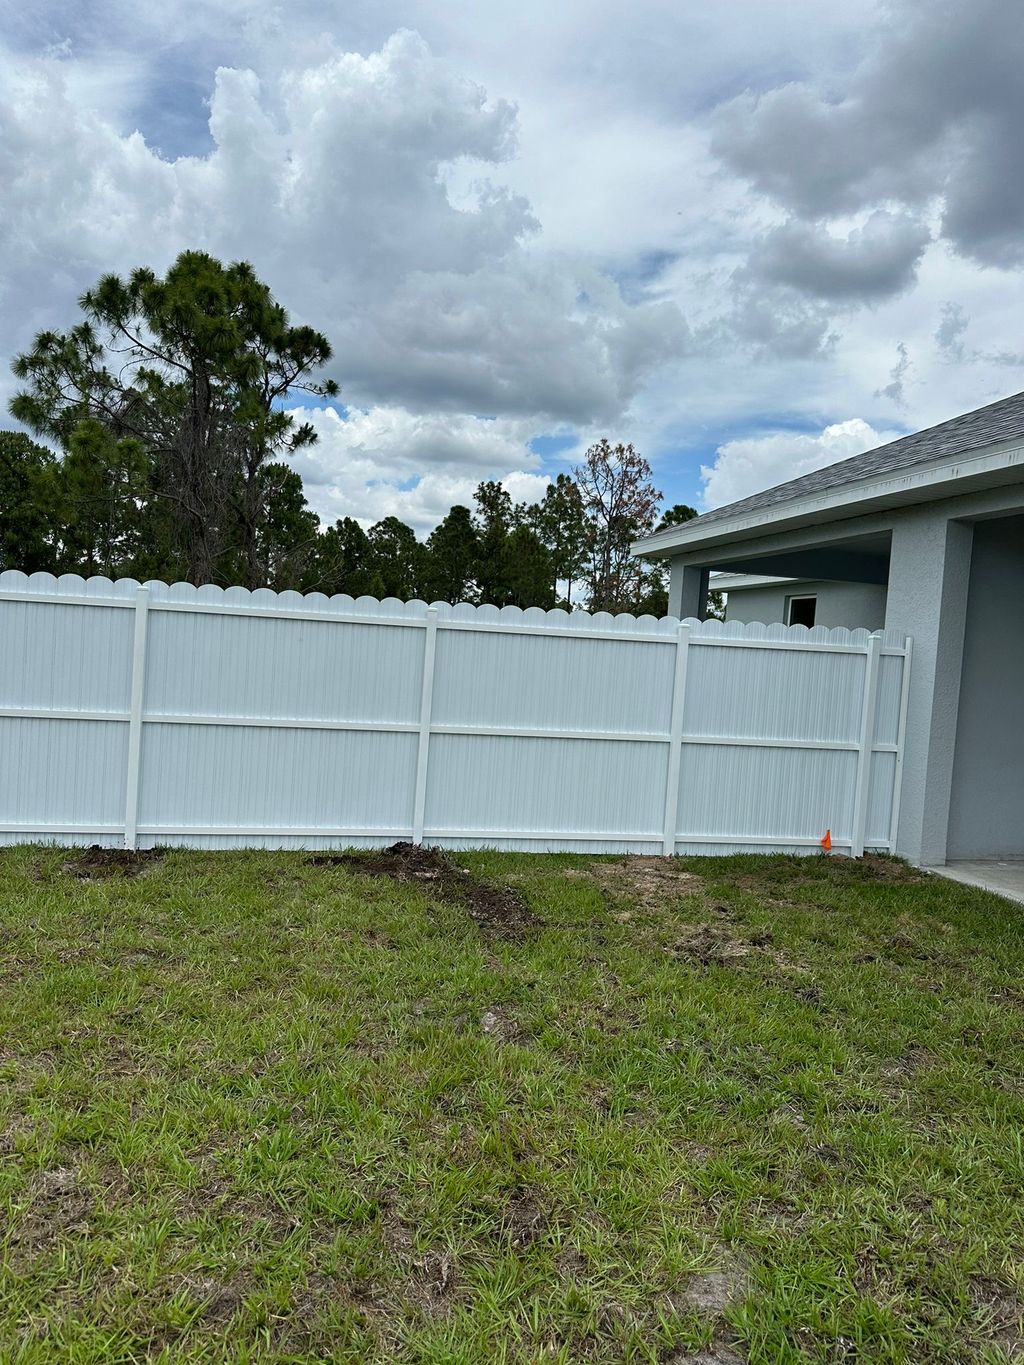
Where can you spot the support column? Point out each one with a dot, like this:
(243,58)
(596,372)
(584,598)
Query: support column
(687,591)
(929,576)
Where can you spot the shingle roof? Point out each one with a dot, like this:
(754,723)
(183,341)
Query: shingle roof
(1000,421)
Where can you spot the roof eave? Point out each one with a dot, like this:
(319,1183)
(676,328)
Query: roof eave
(918,483)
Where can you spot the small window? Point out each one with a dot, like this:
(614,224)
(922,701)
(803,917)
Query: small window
(800,611)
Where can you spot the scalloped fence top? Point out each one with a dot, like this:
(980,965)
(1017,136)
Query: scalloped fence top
(123,592)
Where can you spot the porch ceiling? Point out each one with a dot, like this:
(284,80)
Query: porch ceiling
(863,559)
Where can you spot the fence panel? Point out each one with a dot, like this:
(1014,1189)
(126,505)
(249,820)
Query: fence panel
(162,714)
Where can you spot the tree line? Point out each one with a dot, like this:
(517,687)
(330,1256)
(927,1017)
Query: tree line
(164,412)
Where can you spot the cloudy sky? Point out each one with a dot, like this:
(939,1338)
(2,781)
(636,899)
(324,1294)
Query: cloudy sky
(750,238)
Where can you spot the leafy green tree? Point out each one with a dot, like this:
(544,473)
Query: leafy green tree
(396,560)
(194,367)
(560,522)
(450,562)
(341,561)
(26,504)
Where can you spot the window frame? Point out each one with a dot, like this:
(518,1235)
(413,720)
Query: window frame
(801,597)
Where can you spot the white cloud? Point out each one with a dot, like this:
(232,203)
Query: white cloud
(331,179)
(754,463)
(511,215)
(387,461)
(933,112)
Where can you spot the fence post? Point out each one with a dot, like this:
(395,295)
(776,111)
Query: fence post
(862,791)
(426,704)
(131,804)
(675,741)
(901,740)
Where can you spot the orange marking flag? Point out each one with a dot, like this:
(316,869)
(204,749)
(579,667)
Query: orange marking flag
(826,842)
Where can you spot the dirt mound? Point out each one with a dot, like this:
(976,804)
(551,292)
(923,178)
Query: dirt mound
(499,909)
(95,863)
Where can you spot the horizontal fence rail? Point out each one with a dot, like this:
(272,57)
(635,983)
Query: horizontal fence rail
(168,714)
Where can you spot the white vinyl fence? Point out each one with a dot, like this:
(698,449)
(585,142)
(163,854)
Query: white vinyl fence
(176,715)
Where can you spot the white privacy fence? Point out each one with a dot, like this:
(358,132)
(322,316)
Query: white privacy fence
(176,715)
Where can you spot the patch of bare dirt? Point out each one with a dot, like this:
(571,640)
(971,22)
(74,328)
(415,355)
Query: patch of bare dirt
(500,1024)
(911,1063)
(1002,1315)
(524,1220)
(780,1216)
(880,868)
(571,1264)
(711,1355)
(11,1130)
(433,1283)
(698,1153)
(711,1292)
(220,1301)
(710,945)
(397,1237)
(96,863)
(646,880)
(431,1277)
(810,994)
(58,1204)
(500,910)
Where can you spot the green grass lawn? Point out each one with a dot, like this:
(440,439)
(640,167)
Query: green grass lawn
(259,1108)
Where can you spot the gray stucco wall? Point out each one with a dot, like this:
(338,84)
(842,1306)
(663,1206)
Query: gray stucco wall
(839,604)
(986,813)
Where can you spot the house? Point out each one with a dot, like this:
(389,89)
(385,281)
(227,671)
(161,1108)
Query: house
(801,601)
(933,524)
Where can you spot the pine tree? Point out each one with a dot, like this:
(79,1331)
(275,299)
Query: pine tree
(494,520)
(452,551)
(530,573)
(396,560)
(99,491)
(340,561)
(27,525)
(560,521)
(194,367)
